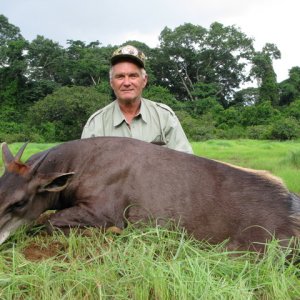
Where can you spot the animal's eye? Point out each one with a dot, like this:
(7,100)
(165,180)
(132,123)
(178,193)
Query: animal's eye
(18,205)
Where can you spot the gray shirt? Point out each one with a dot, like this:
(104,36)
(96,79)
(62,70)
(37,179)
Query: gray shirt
(155,122)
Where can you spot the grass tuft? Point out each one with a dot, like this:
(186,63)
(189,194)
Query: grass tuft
(292,159)
(142,263)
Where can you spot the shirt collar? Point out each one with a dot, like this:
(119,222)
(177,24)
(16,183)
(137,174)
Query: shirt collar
(144,112)
(118,117)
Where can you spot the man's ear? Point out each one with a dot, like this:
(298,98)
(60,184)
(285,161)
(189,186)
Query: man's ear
(55,182)
(145,80)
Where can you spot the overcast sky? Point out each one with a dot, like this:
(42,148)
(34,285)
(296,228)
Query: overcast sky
(116,21)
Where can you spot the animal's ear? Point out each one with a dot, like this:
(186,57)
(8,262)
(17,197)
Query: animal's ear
(55,182)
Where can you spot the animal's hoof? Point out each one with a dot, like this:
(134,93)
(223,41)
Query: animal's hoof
(114,229)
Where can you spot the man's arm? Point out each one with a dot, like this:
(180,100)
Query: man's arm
(175,136)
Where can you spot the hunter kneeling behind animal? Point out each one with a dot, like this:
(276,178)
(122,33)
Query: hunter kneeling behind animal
(130,115)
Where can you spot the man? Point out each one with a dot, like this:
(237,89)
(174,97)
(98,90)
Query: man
(130,115)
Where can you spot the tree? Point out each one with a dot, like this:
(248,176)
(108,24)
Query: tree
(293,110)
(290,88)
(246,97)
(260,114)
(8,32)
(161,95)
(191,54)
(46,61)
(12,70)
(88,64)
(264,72)
(177,58)
(62,115)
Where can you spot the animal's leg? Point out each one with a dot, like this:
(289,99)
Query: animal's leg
(79,217)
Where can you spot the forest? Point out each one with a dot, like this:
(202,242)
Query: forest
(206,75)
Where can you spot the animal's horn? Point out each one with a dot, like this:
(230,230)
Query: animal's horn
(7,156)
(37,163)
(20,152)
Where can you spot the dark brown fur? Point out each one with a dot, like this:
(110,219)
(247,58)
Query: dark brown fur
(117,180)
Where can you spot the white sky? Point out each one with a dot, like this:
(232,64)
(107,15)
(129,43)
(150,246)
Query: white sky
(116,21)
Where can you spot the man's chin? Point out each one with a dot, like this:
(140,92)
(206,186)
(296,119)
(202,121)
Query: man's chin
(128,100)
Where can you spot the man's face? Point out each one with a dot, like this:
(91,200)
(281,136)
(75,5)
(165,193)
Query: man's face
(127,82)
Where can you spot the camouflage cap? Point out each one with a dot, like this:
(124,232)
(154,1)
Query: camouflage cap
(129,53)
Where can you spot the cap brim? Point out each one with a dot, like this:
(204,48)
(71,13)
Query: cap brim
(125,57)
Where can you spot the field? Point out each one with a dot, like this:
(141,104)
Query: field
(155,263)
(280,158)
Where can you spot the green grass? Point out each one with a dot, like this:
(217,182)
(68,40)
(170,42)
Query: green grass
(280,158)
(154,263)
(141,263)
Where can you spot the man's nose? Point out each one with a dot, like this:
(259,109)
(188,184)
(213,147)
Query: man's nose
(126,80)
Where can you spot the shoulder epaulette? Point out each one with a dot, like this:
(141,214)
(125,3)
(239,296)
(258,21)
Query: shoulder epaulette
(98,112)
(95,114)
(166,107)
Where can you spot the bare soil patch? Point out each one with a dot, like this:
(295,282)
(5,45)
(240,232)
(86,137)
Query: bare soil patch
(37,252)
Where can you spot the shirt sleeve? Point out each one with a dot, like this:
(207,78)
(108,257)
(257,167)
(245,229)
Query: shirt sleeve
(175,136)
(86,132)
(92,127)
(90,130)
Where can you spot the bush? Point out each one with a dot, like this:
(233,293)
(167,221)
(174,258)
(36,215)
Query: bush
(199,129)
(285,129)
(261,114)
(293,110)
(258,132)
(62,115)
(204,106)
(230,117)
(162,95)
(11,132)
(235,132)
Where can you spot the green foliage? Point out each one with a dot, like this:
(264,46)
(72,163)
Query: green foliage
(12,72)
(12,132)
(290,88)
(197,71)
(8,32)
(62,115)
(258,132)
(285,129)
(260,114)
(293,110)
(203,106)
(191,55)
(234,132)
(197,129)
(39,89)
(203,90)
(264,71)
(161,95)
(87,64)
(229,117)
(246,97)
(46,60)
